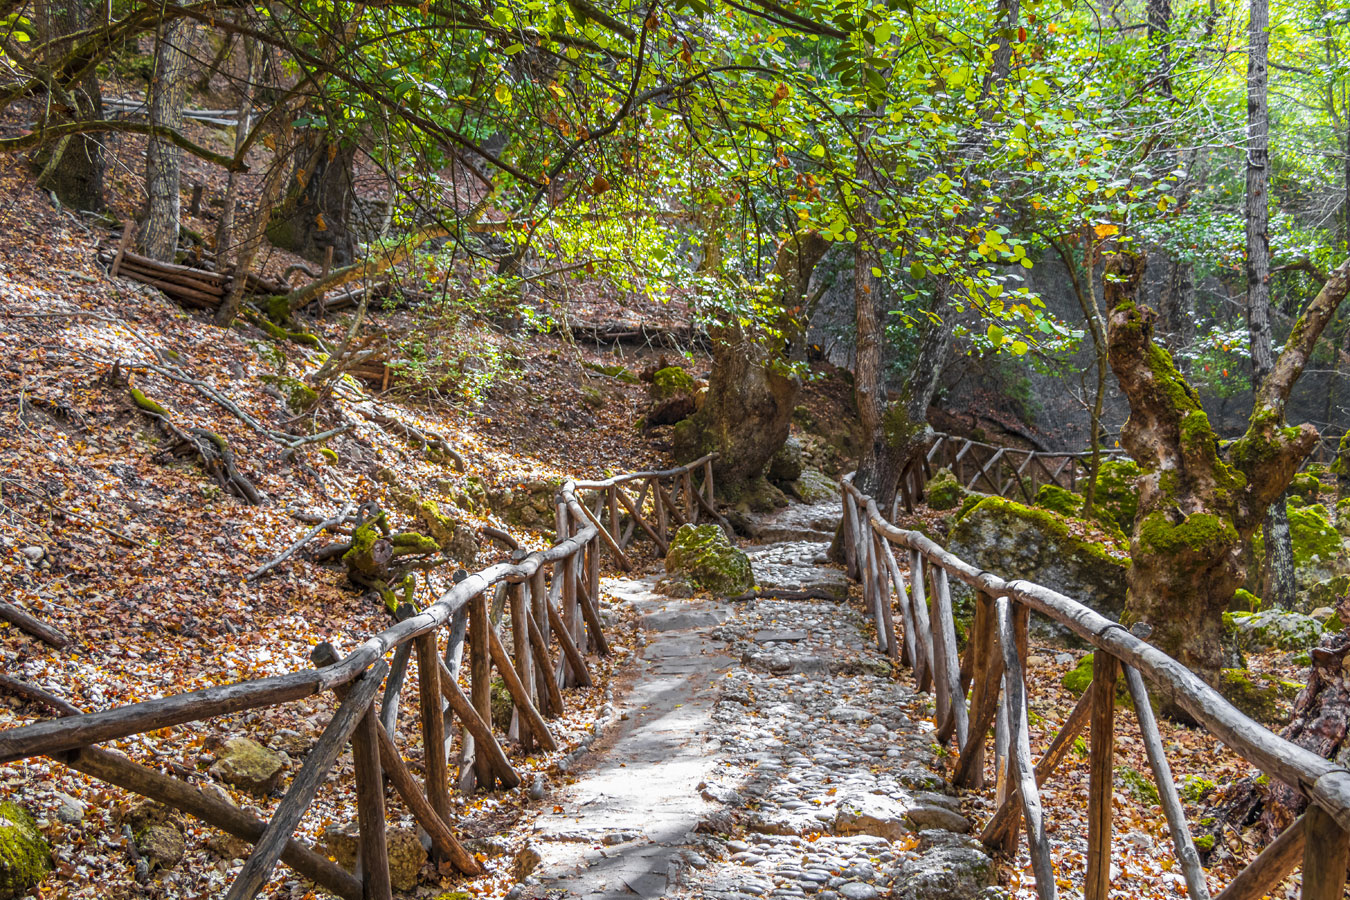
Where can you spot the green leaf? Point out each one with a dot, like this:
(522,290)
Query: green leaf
(995,335)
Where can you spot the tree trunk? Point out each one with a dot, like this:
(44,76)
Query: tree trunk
(73,169)
(316,213)
(1279,549)
(1198,512)
(751,391)
(225,237)
(159,230)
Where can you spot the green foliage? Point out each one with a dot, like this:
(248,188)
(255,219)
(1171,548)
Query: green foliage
(1077,679)
(1138,784)
(1195,788)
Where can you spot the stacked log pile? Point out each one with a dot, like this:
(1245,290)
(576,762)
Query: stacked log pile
(193,287)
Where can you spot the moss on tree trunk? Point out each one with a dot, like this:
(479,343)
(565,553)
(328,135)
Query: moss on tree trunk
(1198,511)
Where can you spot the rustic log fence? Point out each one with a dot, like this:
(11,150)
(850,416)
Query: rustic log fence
(988,689)
(554,620)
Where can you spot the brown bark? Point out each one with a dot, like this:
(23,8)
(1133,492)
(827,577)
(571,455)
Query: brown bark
(1198,512)
(160,225)
(316,213)
(74,168)
(751,391)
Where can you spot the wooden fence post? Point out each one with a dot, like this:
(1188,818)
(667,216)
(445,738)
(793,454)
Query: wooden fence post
(480,683)
(1326,851)
(1101,776)
(374,851)
(430,707)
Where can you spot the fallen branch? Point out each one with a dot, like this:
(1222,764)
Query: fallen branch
(291,550)
(25,621)
(429,440)
(33,692)
(501,537)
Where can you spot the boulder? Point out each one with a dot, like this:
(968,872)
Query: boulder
(526,861)
(672,393)
(1274,629)
(158,833)
(944,491)
(702,554)
(785,466)
(1317,545)
(528,504)
(249,766)
(25,857)
(1325,593)
(875,814)
(945,866)
(1016,541)
(406,854)
(813,486)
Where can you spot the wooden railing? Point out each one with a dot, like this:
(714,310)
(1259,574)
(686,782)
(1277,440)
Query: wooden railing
(988,689)
(554,600)
(1005,471)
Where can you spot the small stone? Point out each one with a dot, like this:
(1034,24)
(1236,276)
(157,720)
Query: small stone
(527,860)
(34,553)
(857,890)
(69,811)
(406,853)
(619,837)
(536,789)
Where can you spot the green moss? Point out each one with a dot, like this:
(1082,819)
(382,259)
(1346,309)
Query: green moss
(1314,539)
(25,858)
(410,542)
(944,491)
(1056,499)
(1077,679)
(1194,788)
(329,454)
(299,396)
(615,371)
(1339,466)
(1116,494)
(1138,784)
(502,705)
(1260,700)
(440,526)
(1305,486)
(363,541)
(1048,522)
(972,500)
(1245,601)
(1199,535)
(672,381)
(147,404)
(1204,842)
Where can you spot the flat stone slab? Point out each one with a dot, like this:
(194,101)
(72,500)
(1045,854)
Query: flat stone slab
(776,635)
(697,616)
(797,566)
(798,522)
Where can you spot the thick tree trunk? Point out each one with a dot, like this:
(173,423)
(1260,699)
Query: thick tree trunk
(73,169)
(316,213)
(1198,512)
(751,392)
(160,227)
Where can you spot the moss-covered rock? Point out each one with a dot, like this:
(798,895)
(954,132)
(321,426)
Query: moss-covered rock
(1057,499)
(702,554)
(617,372)
(1017,541)
(299,396)
(370,552)
(158,833)
(1307,486)
(249,766)
(785,466)
(1263,700)
(758,495)
(944,491)
(528,504)
(1116,496)
(1274,629)
(671,382)
(1343,517)
(813,486)
(406,854)
(25,857)
(1245,601)
(1317,545)
(502,705)
(672,393)
(1325,593)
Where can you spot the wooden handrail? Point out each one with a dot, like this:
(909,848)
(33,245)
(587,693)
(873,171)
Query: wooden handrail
(1325,784)
(356,676)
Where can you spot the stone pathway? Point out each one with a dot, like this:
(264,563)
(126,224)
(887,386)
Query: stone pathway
(763,750)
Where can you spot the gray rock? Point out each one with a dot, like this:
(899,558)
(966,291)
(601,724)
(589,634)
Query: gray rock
(857,890)
(69,811)
(925,816)
(873,814)
(945,867)
(527,860)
